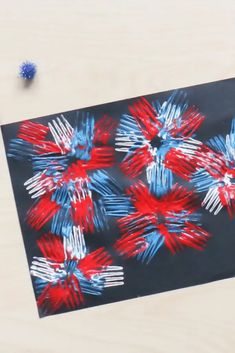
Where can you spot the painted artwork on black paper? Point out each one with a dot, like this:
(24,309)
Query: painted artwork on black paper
(127,199)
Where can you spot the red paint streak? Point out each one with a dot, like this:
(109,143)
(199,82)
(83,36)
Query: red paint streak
(204,158)
(94,262)
(32,132)
(134,164)
(170,239)
(101,157)
(47,147)
(190,122)
(146,118)
(74,172)
(132,228)
(138,220)
(41,212)
(180,164)
(131,245)
(213,162)
(175,201)
(142,199)
(227,198)
(82,212)
(67,293)
(193,236)
(104,130)
(35,134)
(51,247)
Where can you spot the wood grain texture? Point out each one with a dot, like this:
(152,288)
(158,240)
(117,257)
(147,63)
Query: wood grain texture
(91,52)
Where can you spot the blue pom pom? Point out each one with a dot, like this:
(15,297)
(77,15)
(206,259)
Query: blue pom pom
(28,70)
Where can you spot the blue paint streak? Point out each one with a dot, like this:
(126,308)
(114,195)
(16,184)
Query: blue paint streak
(203,180)
(82,141)
(50,163)
(155,241)
(118,206)
(100,219)
(20,150)
(93,287)
(102,183)
(172,109)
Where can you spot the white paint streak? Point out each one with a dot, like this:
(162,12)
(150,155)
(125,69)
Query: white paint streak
(74,245)
(62,133)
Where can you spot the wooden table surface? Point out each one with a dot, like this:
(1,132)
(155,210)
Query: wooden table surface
(91,52)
